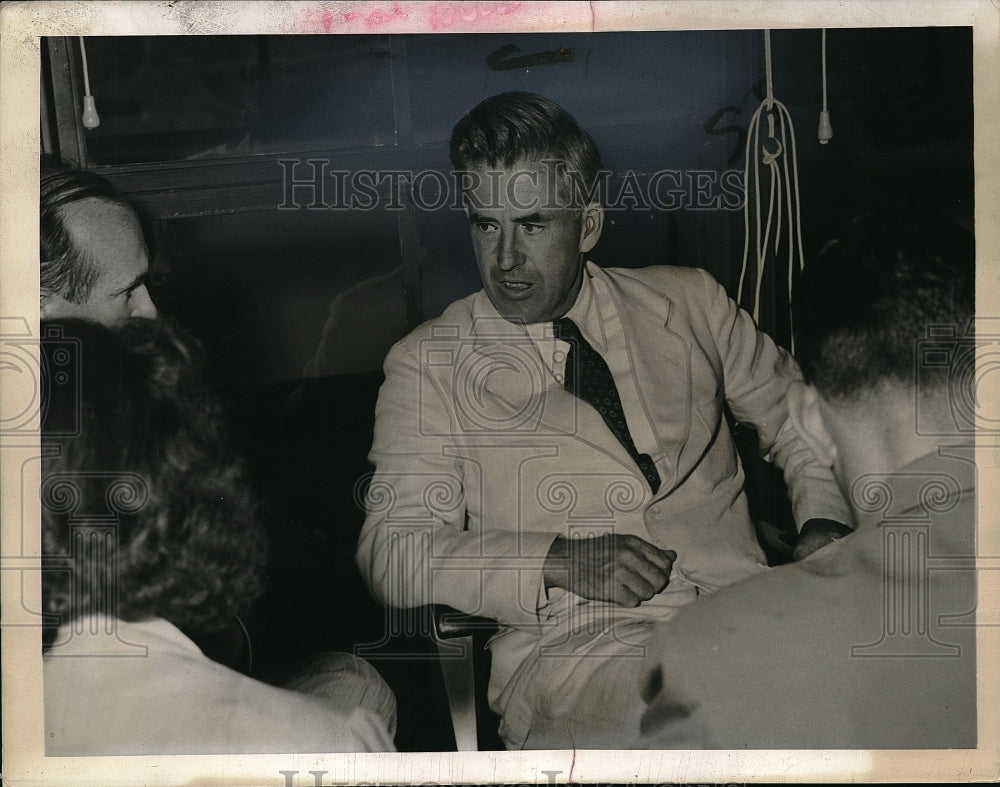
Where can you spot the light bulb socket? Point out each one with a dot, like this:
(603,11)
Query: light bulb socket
(825,131)
(90,117)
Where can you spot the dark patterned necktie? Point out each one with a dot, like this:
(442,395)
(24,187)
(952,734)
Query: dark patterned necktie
(589,378)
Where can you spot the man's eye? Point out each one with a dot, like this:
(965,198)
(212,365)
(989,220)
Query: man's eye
(486,227)
(532,229)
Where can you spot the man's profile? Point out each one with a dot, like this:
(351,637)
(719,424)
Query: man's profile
(94,260)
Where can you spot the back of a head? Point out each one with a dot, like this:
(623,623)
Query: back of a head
(64,270)
(876,295)
(516,126)
(135,442)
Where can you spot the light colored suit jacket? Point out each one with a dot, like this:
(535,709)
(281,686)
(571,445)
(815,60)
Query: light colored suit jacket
(482,457)
(145,688)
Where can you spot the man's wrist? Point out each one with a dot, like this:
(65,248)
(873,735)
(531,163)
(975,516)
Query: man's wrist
(556,566)
(826,526)
(816,534)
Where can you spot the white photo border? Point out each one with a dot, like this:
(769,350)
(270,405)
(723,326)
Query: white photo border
(22,26)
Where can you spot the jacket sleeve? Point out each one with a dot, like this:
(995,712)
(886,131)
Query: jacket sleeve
(418,545)
(757,374)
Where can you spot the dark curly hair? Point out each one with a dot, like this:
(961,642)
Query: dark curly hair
(875,295)
(146,512)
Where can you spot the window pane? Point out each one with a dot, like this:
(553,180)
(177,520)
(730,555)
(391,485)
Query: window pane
(169,98)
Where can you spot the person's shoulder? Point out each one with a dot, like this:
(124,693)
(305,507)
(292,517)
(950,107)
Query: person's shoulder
(143,699)
(661,276)
(797,593)
(272,715)
(668,282)
(455,322)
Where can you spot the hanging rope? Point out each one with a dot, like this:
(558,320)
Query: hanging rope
(776,156)
(823,59)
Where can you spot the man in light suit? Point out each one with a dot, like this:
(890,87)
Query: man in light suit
(576,518)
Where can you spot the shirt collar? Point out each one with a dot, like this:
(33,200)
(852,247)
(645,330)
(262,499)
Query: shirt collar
(118,637)
(488,325)
(584,312)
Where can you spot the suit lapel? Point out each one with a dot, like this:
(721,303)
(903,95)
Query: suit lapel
(659,360)
(505,383)
(511,385)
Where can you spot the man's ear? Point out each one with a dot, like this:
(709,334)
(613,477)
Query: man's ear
(590,227)
(807,418)
(52,306)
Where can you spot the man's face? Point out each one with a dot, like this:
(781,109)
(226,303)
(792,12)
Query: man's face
(528,248)
(110,236)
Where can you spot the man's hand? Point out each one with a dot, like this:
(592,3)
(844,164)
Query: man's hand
(817,533)
(622,569)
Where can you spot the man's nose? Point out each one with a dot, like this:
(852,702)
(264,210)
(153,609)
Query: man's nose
(509,253)
(142,304)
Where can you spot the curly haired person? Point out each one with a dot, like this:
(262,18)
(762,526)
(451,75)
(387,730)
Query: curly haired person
(150,535)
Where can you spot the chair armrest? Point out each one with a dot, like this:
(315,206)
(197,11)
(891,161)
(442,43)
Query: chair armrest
(454,631)
(450,623)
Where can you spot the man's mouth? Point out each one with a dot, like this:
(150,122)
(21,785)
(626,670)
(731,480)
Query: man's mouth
(514,289)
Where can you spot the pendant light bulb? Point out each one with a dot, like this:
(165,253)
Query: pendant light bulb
(90,117)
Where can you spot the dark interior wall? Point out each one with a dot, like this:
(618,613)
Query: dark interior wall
(258,285)
(901,102)
(902,114)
